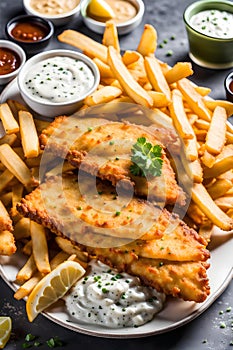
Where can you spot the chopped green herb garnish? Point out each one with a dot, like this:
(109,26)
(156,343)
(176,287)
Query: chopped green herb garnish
(37,343)
(111,143)
(26,345)
(222,325)
(105,290)
(30,337)
(53,342)
(118,213)
(89,129)
(146,158)
(169,53)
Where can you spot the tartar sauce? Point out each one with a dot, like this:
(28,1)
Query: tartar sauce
(214,23)
(111,299)
(59,79)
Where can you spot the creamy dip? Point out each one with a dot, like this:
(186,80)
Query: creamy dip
(123,10)
(112,299)
(214,23)
(59,79)
(53,7)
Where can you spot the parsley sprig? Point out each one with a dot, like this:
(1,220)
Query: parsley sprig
(146,158)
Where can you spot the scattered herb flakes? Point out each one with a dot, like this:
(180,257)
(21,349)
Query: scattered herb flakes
(222,325)
(118,213)
(30,337)
(169,53)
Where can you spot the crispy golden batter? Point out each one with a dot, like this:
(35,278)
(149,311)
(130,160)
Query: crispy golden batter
(187,280)
(103,148)
(7,243)
(166,251)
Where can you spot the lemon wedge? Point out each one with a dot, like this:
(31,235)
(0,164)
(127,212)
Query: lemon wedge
(100,8)
(5,330)
(53,287)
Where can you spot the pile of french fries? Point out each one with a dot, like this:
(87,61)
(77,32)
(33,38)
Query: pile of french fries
(134,77)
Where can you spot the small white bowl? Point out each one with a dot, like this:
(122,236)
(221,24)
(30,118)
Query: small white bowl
(6,78)
(48,108)
(57,20)
(122,28)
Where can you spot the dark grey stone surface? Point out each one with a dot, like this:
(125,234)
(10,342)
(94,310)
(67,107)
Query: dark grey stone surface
(203,333)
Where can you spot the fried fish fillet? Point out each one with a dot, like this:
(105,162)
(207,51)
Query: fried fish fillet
(7,243)
(103,148)
(130,234)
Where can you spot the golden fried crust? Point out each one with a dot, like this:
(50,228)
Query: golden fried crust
(172,261)
(7,243)
(186,280)
(103,149)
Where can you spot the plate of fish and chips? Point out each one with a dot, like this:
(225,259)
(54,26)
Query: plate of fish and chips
(194,265)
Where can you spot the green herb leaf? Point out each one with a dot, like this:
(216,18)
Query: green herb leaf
(30,337)
(146,158)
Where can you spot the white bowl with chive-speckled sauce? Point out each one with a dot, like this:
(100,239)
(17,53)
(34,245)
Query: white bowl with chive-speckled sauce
(56,82)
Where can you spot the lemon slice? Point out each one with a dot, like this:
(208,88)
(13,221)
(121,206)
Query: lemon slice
(5,330)
(53,287)
(100,8)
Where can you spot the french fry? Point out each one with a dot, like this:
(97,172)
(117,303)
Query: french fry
(219,188)
(223,162)
(27,270)
(156,77)
(105,71)
(9,139)
(6,198)
(10,125)
(159,99)
(132,88)
(196,214)
(7,243)
(216,135)
(191,149)
(17,194)
(69,248)
(110,37)
(196,171)
(15,165)
(206,230)
(202,124)
(5,179)
(130,57)
(29,137)
(208,159)
(203,91)
(227,105)
(28,286)
(179,71)
(148,41)
(104,95)
(179,116)
(202,198)
(5,220)
(91,47)
(27,249)
(40,247)
(22,229)
(194,99)
(225,202)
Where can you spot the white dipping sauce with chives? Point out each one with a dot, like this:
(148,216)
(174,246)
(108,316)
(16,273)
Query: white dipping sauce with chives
(59,79)
(112,299)
(214,23)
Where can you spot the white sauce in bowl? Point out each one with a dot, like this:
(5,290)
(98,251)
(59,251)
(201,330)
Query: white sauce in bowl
(214,23)
(112,299)
(59,79)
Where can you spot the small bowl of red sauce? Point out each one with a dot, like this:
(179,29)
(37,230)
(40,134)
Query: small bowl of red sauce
(229,86)
(12,58)
(32,33)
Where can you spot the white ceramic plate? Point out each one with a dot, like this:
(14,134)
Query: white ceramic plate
(175,313)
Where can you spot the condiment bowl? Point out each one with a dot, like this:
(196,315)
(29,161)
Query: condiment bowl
(31,32)
(228,83)
(20,56)
(35,79)
(55,15)
(122,28)
(206,50)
